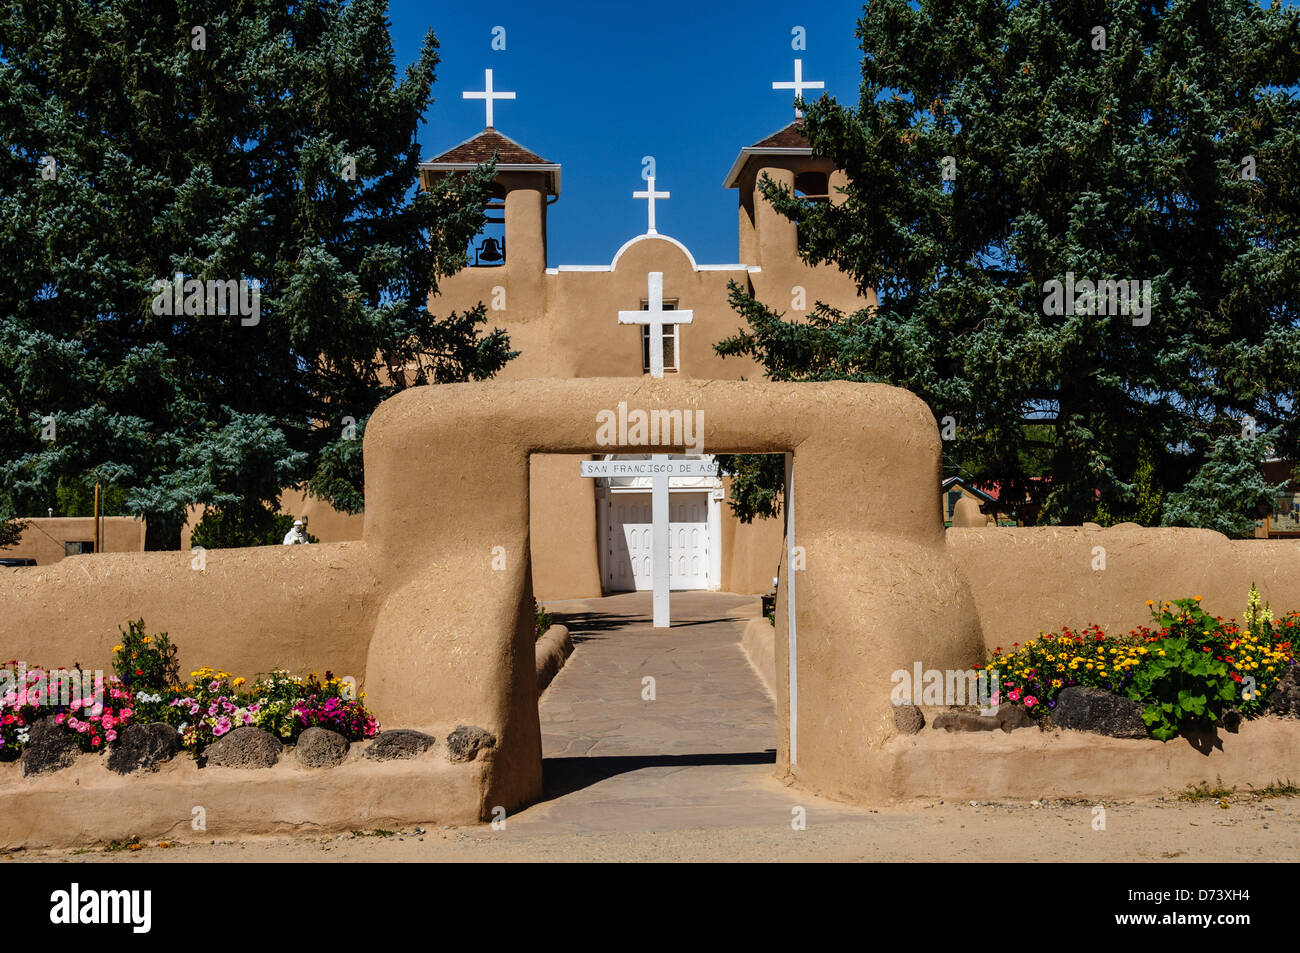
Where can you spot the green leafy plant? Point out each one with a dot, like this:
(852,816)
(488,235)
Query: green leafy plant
(541,620)
(143,662)
(1182,681)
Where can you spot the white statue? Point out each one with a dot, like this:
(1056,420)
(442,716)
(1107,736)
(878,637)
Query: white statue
(295,535)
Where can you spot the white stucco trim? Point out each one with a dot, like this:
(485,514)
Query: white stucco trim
(557,269)
(647,236)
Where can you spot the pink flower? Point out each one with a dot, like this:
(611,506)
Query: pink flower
(94,742)
(222,726)
(58,719)
(1014,695)
(110,735)
(1030,701)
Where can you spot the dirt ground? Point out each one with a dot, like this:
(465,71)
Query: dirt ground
(1241,830)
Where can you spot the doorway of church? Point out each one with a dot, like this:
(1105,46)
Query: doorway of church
(625,530)
(628,534)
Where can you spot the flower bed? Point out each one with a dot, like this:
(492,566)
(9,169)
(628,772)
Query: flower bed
(1187,669)
(146,687)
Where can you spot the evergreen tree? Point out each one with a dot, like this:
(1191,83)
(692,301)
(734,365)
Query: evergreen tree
(262,142)
(999,146)
(1228,492)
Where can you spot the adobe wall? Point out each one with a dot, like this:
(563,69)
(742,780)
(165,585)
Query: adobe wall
(247,611)
(562,520)
(44,536)
(1032,579)
(751,552)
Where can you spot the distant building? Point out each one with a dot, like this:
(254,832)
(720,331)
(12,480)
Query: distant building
(1282,519)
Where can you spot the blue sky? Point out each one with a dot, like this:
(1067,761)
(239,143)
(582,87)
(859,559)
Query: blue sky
(599,85)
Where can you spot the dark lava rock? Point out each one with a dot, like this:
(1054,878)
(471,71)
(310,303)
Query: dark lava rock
(908,719)
(49,747)
(464,743)
(1011,717)
(1007,717)
(245,747)
(965,721)
(1284,699)
(399,743)
(144,747)
(1101,712)
(321,748)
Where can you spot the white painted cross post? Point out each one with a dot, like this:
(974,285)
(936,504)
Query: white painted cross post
(650,194)
(488,94)
(659,469)
(655,316)
(799,85)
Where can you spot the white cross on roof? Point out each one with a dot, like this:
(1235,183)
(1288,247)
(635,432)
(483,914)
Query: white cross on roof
(650,194)
(488,95)
(799,85)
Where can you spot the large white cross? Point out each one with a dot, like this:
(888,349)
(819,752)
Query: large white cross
(650,194)
(799,85)
(489,94)
(659,469)
(656,317)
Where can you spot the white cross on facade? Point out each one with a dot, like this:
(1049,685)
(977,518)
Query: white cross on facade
(650,194)
(656,317)
(489,94)
(799,85)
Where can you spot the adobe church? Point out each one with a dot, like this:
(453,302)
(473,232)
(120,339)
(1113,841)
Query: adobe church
(591,537)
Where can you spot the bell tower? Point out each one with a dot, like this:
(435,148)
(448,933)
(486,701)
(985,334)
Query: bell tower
(525,184)
(767,238)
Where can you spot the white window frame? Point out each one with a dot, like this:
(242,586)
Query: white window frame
(670,333)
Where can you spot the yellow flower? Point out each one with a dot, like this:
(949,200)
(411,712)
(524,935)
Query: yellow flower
(239,681)
(1197,598)
(117,648)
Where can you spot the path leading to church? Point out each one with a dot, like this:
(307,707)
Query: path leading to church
(649,729)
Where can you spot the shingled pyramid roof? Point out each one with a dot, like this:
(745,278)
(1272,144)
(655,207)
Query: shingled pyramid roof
(791,137)
(511,157)
(788,141)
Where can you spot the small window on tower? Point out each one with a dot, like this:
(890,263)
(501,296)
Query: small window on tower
(488,248)
(813,185)
(669,339)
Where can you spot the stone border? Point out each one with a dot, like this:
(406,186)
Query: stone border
(1028,764)
(758,640)
(552,651)
(86,804)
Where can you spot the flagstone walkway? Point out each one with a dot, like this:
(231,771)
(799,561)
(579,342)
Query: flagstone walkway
(700,754)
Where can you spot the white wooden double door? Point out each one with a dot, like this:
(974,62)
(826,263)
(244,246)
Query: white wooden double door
(629,554)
